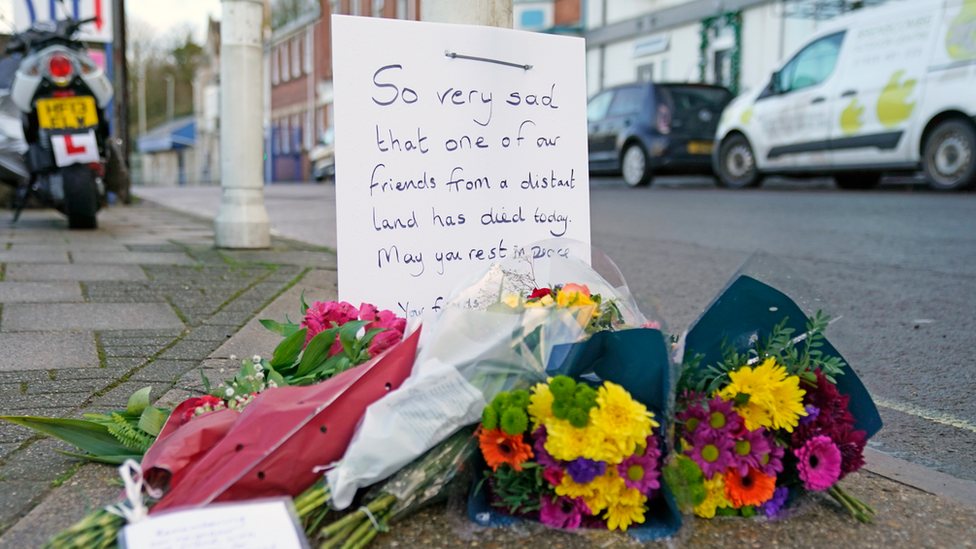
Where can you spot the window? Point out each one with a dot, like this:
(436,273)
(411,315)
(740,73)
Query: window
(274,67)
(276,138)
(309,47)
(285,65)
(626,101)
(812,65)
(596,109)
(378,6)
(355,7)
(533,18)
(723,68)
(645,73)
(296,57)
(401,9)
(285,136)
(296,129)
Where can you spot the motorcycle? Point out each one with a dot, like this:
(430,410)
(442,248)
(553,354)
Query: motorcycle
(62,96)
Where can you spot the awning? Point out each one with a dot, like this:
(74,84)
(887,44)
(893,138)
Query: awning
(173,135)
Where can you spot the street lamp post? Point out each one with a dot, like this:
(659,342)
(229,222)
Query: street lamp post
(242,220)
(494,13)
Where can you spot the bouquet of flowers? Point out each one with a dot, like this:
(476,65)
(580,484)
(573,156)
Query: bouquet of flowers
(764,415)
(570,455)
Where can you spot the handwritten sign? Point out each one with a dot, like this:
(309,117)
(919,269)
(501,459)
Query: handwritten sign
(267,524)
(456,146)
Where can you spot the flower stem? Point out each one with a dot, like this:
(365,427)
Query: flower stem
(334,541)
(375,506)
(842,497)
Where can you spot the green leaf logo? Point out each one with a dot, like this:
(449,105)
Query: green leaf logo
(893,108)
(850,118)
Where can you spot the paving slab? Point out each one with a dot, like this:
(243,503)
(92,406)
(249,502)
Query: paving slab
(132,258)
(45,351)
(33,256)
(17,271)
(39,292)
(19,317)
(99,245)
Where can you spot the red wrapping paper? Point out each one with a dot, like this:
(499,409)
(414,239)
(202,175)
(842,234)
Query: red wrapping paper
(272,447)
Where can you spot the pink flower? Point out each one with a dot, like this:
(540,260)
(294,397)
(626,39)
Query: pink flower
(819,463)
(652,324)
(564,512)
(640,472)
(553,476)
(572,288)
(325,316)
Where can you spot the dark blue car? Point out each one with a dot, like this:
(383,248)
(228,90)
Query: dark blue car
(647,129)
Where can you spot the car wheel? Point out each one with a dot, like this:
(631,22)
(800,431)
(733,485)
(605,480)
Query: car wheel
(634,166)
(949,157)
(858,180)
(737,164)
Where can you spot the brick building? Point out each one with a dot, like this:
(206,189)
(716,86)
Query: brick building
(298,72)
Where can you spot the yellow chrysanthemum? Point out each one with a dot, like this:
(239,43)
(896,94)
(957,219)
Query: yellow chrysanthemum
(610,450)
(540,405)
(771,372)
(715,498)
(574,295)
(622,516)
(606,489)
(620,418)
(787,405)
(755,415)
(571,489)
(565,442)
(630,496)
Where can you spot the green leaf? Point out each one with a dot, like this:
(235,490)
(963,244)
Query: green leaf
(152,420)
(90,436)
(206,382)
(347,336)
(111,460)
(288,350)
(316,351)
(304,305)
(138,401)
(279,328)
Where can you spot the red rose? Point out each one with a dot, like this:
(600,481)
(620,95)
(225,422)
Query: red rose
(539,293)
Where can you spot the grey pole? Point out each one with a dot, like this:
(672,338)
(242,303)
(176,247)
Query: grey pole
(494,13)
(242,220)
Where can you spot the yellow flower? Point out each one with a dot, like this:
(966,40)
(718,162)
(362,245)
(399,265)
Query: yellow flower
(621,419)
(511,300)
(755,415)
(565,442)
(787,405)
(771,372)
(631,496)
(606,489)
(570,489)
(543,301)
(540,405)
(622,516)
(715,498)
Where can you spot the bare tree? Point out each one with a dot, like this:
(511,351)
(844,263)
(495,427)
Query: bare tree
(286,11)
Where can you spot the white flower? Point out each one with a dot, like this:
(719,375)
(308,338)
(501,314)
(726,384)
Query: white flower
(272,384)
(259,375)
(233,357)
(256,358)
(258,368)
(229,392)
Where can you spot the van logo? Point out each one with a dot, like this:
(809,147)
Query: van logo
(705,115)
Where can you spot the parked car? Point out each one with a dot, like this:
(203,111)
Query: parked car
(646,129)
(322,156)
(884,89)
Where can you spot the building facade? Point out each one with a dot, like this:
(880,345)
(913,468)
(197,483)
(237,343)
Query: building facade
(733,43)
(298,78)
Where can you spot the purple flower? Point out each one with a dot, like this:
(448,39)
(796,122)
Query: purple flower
(562,512)
(812,413)
(749,450)
(542,457)
(819,463)
(772,463)
(712,452)
(583,470)
(692,417)
(774,504)
(640,472)
(721,418)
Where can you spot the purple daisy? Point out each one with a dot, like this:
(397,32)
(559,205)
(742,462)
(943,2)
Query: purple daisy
(819,463)
(771,463)
(562,512)
(812,413)
(640,472)
(721,418)
(749,450)
(692,417)
(713,453)
(583,470)
(542,457)
(775,504)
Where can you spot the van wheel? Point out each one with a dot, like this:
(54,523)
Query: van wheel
(858,180)
(949,156)
(634,166)
(737,164)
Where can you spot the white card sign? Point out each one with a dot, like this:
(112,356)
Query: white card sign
(456,146)
(262,524)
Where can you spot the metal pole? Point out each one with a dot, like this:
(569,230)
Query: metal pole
(142,99)
(242,220)
(170,92)
(121,68)
(494,13)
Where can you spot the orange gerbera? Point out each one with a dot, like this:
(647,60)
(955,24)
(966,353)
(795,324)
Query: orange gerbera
(752,489)
(499,448)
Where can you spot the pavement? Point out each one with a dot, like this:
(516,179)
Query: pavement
(87,318)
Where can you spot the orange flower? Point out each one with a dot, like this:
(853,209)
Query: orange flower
(752,489)
(499,448)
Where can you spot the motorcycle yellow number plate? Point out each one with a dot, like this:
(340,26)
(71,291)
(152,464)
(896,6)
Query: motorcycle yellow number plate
(67,112)
(700,147)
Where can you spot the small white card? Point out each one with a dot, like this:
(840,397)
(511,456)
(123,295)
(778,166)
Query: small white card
(261,524)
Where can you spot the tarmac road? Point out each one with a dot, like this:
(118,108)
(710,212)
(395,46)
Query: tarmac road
(898,264)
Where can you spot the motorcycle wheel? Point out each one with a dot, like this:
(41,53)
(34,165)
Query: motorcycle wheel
(80,197)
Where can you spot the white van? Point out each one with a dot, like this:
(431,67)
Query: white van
(884,89)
